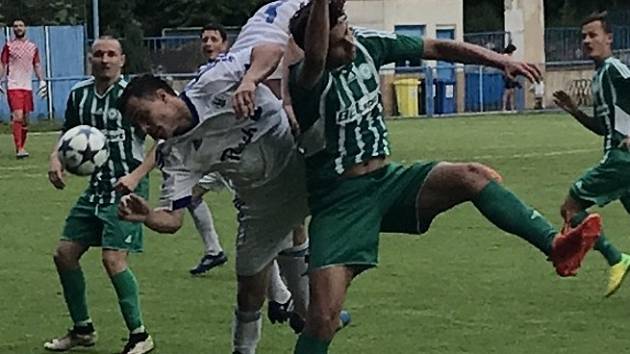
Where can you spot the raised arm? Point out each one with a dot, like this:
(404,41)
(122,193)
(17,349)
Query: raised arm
(316,43)
(564,101)
(467,53)
(264,61)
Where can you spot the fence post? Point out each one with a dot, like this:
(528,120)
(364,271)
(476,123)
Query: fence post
(481,88)
(428,91)
(49,97)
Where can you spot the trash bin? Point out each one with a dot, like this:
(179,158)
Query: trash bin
(444,96)
(407,97)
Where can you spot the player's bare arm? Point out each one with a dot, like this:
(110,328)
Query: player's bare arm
(264,61)
(316,43)
(293,55)
(136,209)
(55,169)
(564,101)
(472,54)
(128,183)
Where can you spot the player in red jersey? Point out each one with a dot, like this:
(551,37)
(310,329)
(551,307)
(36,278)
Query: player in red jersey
(19,58)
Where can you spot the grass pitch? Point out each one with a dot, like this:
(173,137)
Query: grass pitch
(464,287)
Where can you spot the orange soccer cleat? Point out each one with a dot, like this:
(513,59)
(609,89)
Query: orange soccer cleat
(571,245)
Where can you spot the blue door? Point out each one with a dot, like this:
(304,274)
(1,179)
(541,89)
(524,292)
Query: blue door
(445,70)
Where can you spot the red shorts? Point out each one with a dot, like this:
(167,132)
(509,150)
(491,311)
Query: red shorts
(20,100)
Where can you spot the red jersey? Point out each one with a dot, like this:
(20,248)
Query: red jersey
(19,57)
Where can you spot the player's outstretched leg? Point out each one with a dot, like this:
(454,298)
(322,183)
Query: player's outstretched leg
(451,184)
(72,280)
(126,287)
(214,255)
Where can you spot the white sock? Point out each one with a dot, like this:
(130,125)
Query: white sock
(276,290)
(293,266)
(246,330)
(205,226)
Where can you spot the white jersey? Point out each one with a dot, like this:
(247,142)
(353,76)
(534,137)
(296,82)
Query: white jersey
(247,152)
(270,24)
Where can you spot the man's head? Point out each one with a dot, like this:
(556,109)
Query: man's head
(214,40)
(153,106)
(597,37)
(19,28)
(107,58)
(341,49)
(510,49)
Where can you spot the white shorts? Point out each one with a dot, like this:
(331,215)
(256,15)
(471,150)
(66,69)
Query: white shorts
(213,182)
(267,216)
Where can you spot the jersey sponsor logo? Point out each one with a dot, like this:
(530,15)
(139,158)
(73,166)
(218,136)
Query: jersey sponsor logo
(362,107)
(234,153)
(219,101)
(115,136)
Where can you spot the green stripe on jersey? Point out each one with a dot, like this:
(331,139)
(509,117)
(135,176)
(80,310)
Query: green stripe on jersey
(126,144)
(611,101)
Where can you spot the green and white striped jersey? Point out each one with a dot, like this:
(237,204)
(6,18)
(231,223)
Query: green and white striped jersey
(611,101)
(125,143)
(342,115)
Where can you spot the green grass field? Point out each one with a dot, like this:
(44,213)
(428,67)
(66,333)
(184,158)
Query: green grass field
(464,287)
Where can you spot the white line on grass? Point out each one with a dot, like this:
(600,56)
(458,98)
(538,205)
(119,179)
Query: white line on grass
(535,154)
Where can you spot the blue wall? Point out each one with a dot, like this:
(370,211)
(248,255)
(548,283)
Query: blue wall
(67,67)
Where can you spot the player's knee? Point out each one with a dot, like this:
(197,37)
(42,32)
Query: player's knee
(323,324)
(114,263)
(64,259)
(251,293)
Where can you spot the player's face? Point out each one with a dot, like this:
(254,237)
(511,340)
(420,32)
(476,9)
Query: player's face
(596,42)
(107,59)
(212,44)
(342,49)
(19,29)
(157,116)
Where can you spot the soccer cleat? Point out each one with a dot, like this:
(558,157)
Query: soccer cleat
(571,245)
(617,274)
(297,323)
(278,312)
(208,262)
(76,337)
(138,343)
(22,154)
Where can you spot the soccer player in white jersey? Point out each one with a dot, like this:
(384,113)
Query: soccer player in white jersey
(256,155)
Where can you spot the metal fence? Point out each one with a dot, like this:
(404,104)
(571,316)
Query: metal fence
(564,44)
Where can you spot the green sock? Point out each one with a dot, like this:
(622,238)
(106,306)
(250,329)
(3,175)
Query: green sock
(310,345)
(502,208)
(607,249)
(127,290)
(73,284)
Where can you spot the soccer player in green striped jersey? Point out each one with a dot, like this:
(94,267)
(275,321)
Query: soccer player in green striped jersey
(610,179)
(355,192)
(93,221)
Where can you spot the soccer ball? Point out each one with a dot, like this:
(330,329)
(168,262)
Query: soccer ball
(82,150)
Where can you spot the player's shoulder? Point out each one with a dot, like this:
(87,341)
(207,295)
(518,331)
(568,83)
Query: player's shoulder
(81,85)
(617,69)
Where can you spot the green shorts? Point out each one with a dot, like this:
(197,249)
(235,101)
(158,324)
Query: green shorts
(349,214)
(606,182)
(97,225)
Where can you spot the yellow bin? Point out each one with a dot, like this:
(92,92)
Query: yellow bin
(407,97)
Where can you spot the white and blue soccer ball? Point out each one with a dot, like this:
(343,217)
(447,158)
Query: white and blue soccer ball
(82,150)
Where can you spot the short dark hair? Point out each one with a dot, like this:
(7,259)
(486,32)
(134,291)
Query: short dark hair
(17,19)
(298,23)
(215,27)
(144,86)
(511,48)
(601,16)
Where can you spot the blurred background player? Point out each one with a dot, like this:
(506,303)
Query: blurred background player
(19,58)
(511,84)
(93,221)
(610,179)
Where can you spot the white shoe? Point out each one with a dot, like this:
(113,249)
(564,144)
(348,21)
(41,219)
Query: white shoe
(71,340)
(139,343)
